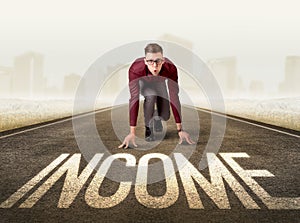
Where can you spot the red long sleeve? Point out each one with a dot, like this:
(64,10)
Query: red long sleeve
(139,70)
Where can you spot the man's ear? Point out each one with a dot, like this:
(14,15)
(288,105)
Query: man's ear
(145,60)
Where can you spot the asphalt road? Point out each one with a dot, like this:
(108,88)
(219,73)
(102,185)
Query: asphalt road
(27,151)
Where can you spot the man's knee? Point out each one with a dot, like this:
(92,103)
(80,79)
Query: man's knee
(165,115)
(150,99)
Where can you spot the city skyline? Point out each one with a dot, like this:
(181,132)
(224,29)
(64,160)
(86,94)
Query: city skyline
(260,34)
(27,75)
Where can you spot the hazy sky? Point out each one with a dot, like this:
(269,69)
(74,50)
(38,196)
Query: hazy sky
(72,34)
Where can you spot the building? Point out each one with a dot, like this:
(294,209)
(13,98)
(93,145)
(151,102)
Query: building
(187,60)
(187,71)
(27,78)
(256,88)
(225,71)
(71,83)
(5,81)
(290,85)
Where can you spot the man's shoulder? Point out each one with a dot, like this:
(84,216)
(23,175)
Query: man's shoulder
(138,66)
(169,65)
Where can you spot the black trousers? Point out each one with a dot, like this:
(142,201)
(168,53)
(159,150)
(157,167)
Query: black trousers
(155,93)
(162,111)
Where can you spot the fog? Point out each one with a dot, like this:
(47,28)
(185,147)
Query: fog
(251,47)
(260,36)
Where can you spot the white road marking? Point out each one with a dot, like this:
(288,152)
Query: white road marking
(106,109)
(250,123)
(54,123)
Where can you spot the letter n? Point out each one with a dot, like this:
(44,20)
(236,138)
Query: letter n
(72,184)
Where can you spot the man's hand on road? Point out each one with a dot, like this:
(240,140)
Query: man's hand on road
(129,138)
(185,136)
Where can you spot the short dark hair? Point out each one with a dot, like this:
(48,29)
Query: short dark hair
(153,48)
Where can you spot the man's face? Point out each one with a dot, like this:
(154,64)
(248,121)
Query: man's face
(154,62)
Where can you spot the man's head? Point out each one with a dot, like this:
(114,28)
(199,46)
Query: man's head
(154,58)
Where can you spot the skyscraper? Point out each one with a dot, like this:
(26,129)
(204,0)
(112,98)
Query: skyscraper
(5,81)
(290,85)
(27,78)
(186,80)
(186,60)
(225,72)
(70,84)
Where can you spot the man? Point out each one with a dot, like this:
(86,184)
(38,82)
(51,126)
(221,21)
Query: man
(148,76)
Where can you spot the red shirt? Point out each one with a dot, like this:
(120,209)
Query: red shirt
(139,70)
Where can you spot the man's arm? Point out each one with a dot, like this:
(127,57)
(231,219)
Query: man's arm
(176,106)
(134,102)
(129,138)
(183,135)
(133,107)
(173,93)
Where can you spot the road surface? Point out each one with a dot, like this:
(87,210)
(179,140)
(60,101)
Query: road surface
(269,150)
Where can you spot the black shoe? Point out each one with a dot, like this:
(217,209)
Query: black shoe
(149,136)
(158,125)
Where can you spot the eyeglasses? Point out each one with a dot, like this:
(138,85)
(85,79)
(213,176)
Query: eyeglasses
(157,61)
